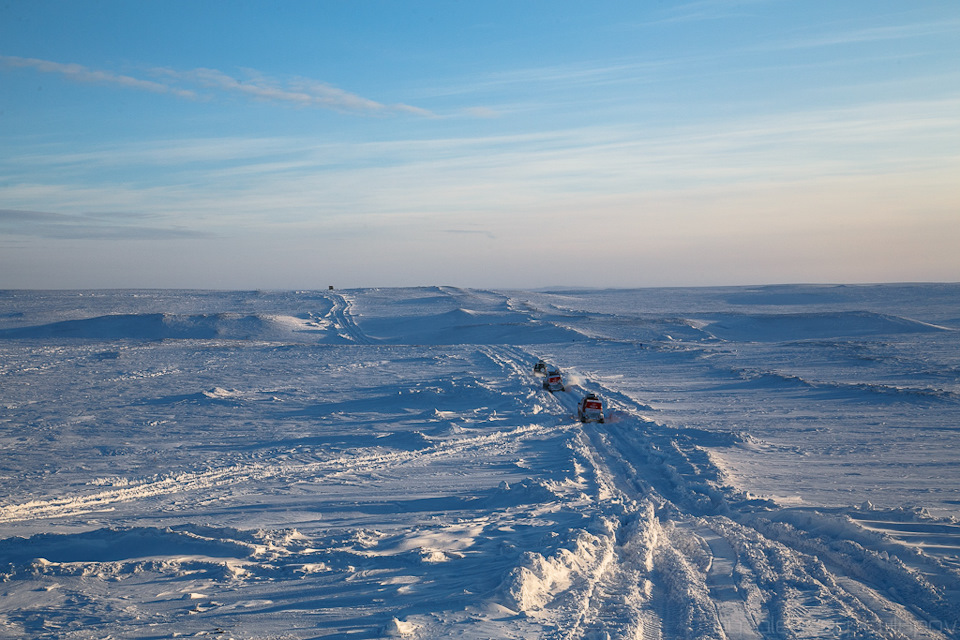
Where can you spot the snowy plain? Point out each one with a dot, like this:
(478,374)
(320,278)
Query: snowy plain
(777,462)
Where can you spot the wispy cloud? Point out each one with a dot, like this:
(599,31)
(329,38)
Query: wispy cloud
(198,83)
(512,89)
(299,91)
(80,73)
(706,10)
(43,224)
(866,35)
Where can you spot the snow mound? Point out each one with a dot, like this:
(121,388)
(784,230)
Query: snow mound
(399,628)
(541,579)
(527,491)
(209,397)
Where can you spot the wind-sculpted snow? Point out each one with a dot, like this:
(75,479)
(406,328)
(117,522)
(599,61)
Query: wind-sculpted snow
(115,545)
(847,391)
(776,462)
(466,326)
(784,327)
(160,326)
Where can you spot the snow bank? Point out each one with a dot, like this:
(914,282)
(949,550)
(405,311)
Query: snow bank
(642,537)
(689,597)
(541,579)
(399,628)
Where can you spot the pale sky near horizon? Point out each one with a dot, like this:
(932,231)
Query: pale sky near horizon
(279,145)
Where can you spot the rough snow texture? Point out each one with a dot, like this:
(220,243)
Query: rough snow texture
(777,462)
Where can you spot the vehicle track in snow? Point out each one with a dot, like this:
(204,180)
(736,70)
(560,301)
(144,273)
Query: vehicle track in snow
(725,566)
(342,318)
(610,596)
(793,585)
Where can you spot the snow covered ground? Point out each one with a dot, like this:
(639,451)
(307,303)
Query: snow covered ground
(777,462)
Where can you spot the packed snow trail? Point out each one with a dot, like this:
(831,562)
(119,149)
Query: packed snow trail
(707,577)
(830,594)
(342,319)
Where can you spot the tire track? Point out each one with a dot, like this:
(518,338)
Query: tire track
(716,574)
(342,319)
(738,623)
(615,601)
(689,480)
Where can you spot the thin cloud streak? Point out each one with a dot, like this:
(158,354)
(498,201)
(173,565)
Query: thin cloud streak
(80,73)
(866,35)
(705,10)
(43,224)
(565,77)
(163,153)
(631,71)
(301,92)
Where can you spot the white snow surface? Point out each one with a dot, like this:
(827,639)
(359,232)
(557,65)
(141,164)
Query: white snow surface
(778,462)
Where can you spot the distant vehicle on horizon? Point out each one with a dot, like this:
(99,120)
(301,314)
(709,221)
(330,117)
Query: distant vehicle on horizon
(553,381)
(590,408)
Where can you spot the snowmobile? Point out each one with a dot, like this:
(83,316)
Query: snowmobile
(553,380)
(590,409)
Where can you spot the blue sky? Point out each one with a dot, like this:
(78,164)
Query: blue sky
(240,145)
